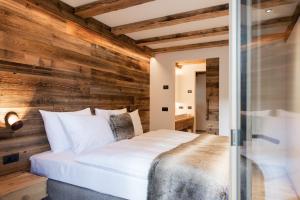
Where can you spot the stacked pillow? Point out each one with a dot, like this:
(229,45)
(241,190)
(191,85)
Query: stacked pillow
(82,131)
(56,134)
(87,132)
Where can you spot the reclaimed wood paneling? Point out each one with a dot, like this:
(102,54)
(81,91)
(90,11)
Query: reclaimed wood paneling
(48,63)
(212,95)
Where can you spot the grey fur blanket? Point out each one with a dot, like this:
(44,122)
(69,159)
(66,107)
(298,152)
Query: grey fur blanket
(197,170)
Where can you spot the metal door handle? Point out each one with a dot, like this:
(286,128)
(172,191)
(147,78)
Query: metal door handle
(267,138)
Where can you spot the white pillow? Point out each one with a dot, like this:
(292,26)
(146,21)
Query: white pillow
(136,120)
(86,132)
(56,135)
(107,113)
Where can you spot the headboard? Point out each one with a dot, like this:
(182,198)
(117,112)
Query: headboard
(47,62)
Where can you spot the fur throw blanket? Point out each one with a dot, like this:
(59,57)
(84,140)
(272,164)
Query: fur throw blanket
(197,170)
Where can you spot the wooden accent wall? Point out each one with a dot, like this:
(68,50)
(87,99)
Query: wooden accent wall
(212,95)
(50,63)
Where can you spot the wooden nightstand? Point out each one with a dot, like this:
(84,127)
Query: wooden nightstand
(23,186)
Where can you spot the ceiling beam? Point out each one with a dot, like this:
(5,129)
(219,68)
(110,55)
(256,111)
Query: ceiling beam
(263,4)
(105,6)
(256,42)
(269,38)
(200,14)
(270,23)
(184,36)
(180,64)
(210,32)
(191,46)
(293,22)
(264,40)
(195,15)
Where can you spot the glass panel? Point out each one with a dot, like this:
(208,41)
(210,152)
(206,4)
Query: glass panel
(269,99)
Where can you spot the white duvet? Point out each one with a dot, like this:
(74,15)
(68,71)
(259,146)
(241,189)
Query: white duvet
(134,156)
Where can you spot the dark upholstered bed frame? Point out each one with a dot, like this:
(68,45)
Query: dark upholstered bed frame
(63,191)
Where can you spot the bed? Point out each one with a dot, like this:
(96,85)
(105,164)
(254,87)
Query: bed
(63,166)
(119,176)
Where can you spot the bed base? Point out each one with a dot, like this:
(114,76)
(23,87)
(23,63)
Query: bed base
(63,191)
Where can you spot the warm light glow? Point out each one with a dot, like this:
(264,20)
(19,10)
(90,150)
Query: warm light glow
(12,119)
(269,11)
(93,37)
(178,71)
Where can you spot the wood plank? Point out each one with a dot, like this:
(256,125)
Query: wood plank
(59,9)
(52,63)
(200,14)
(25,152)
(263,4)
(212,95)
(18,142)
(192,46)
(293,22)
(105,6)
(11,184)
(184,36)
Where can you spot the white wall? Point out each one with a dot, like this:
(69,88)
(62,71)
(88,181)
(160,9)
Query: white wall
(293,106)
(186,80)
(162,71)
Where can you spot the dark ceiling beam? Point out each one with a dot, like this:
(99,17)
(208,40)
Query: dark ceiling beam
(191,46)
(105,6)
(270,23)
(256,42)
(210,32)
(195,15)
(184,36)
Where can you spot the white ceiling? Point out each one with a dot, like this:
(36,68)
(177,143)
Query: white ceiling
(160,8)
(154,9)
(279,11)
(180,28)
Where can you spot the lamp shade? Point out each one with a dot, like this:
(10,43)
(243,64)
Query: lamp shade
(13,121)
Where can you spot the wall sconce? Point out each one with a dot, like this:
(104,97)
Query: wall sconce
(13,121)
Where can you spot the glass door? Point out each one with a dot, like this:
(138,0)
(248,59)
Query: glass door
(265,99)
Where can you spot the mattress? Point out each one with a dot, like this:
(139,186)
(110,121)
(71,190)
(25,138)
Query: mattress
(134,157)
(65,167)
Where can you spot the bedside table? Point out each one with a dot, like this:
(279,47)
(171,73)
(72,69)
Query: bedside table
(23,186)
